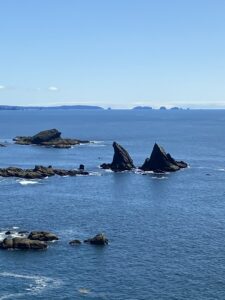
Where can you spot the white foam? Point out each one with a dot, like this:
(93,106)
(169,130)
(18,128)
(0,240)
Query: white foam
(160,177)
(27,182)
(95,174)
(222,170)
(37,285)
(83,291)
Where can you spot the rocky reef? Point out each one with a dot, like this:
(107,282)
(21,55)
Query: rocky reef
(48,138)
(161,162)
(39,172)
(99,239)
(121,160)
(36,240)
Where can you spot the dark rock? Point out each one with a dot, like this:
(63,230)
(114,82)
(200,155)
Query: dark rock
(2,145)
(81,167)
(99,239)
(160,161)
(42,236)
(8,232)
(75,242)
(121,160)
(22,243)
(38,172)
(49,138)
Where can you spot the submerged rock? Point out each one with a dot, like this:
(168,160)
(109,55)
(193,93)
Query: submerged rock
(2,145)
(99,239)
(39,172)
(160,161)
(75,242)
(42,236)
(22,243)
(50,138)
(121,160)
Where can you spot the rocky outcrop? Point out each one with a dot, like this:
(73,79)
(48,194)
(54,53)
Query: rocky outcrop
(121,160)
(75,242)
(48,138)
(42,236)
(161,162)
(22,243)
(99,239)
(39,172)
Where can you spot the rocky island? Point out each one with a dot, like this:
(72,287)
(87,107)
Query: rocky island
(121,160)
(40,172)
(48,138)
(161,162)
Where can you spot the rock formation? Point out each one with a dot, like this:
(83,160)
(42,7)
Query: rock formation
(99,239)
(160,161)
(42,236)
(39,172)
(48,138)
(22,243)
(75,242)
(121,160)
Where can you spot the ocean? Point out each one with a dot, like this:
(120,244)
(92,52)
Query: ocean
(166,232)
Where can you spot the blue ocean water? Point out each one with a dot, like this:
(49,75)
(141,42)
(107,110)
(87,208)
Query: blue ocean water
(167,233)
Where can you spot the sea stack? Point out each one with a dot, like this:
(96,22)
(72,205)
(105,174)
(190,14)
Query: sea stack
(161,162)
(121,160)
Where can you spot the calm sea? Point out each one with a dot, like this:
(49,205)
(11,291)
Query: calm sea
(167,233)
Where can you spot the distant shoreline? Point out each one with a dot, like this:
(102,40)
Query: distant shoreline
(95,107)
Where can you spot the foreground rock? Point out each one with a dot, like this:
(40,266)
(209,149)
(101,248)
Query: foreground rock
(99,239)
(161,162)
(22,243)
(50,138)
(121,160)
(39,172)
(42,236)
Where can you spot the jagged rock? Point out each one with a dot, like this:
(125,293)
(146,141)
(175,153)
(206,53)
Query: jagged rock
(42,236)
(75,242)
(121,160)
(160,161)
(22,243)
(50,138)
(99,239)
(39,172)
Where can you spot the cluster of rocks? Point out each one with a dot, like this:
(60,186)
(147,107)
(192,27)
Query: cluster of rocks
(99,239)
(35,240)
(39,172)
(38,240)
(48,138)
(158,162)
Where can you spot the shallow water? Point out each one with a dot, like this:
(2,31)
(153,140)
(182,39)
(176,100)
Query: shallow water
(166,231)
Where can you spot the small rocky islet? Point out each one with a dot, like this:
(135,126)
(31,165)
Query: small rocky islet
(39,240)
(48,138)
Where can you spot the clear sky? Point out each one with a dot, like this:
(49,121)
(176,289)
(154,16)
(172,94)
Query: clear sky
(117,53)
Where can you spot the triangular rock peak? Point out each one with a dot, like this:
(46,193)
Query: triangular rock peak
(121,160)
(160,161)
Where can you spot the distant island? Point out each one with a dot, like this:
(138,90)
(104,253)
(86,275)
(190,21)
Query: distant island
(142,107)
(9,107)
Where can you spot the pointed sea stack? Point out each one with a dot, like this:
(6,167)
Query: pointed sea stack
(121,160)
(161,162)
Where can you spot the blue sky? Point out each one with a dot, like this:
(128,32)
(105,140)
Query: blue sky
(117,53)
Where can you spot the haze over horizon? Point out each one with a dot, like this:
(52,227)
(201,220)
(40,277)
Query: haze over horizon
(113,53)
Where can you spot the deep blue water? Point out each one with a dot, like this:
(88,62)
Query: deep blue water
(167,233)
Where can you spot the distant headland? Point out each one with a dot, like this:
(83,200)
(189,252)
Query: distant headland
(82,107)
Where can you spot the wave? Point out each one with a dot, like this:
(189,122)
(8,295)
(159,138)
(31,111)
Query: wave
(36,284)
(160,177)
